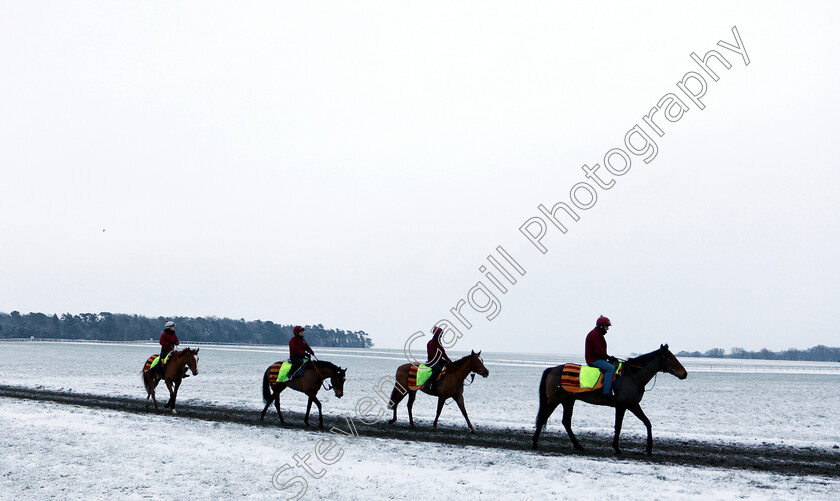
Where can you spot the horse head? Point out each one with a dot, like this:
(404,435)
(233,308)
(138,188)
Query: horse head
(477,364)
(670,364)
(337,381)
(192,360)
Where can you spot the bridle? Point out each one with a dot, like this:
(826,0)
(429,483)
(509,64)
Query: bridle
(474,372)
(324,385)
(662,358)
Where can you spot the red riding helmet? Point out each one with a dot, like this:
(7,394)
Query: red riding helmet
(603,321)
(436,330)
(298,329)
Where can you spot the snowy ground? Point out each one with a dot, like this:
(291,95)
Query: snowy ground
(57,451)
(54,451)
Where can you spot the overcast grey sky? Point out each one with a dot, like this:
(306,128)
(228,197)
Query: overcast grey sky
(354,164)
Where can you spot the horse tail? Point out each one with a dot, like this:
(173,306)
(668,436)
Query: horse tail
(145,382)
(398,392)
(543,394)
(396,396)
(266,387)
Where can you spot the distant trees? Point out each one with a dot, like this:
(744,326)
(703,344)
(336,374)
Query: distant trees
(819,353)
(108,326)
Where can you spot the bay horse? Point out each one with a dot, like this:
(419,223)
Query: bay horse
(637,373)
(309,383)
(451,385)
(174,373)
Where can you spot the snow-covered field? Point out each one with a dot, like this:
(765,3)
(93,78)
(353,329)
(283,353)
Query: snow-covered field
(60,451)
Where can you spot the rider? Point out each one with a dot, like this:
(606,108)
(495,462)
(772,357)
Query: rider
(596,352)
(298,349)
(168,342)
(436,354)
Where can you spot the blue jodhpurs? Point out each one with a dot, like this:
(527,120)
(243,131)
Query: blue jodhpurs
(609,372)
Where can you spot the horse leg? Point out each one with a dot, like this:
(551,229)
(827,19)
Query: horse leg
(619,419)
(277,403)
(320,416)
(308,407)
(542,417)
(460,401)
(441,401)
(151,384)
(171,393)
(148,391)
(175,396)
(411,396)
(152,387)
(568,408)
(267,405)
(636,409)
(396,397)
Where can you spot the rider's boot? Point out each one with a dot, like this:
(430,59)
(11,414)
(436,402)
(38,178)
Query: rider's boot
(433,382)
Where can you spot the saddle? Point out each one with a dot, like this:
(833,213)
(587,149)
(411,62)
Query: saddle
(279,372)
(418,376)
(576,378)
(153,361)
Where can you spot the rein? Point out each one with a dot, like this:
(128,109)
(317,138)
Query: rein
(330,386)
(654,382)
(655,374)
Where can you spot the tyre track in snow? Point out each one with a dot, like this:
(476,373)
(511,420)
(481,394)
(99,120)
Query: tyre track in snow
(772,458)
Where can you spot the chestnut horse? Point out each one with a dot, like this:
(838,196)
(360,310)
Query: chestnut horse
(637,373)
(175,370)
(308,383)
(451,385)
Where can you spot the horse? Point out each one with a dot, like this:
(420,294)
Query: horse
(451,385)
(175,370)
(309,383)
(637,373)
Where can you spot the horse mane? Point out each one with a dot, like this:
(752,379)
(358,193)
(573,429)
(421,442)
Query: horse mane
(642,360)
(183,353)
(325,364)
(461,361)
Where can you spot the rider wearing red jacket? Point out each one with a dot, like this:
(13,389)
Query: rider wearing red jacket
(596,352)
(298,349)
(437,358)
(168,342)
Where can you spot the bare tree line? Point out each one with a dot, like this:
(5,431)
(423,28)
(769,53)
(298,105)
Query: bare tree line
(107,326)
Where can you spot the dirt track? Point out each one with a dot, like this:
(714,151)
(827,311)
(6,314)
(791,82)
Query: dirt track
(766,458)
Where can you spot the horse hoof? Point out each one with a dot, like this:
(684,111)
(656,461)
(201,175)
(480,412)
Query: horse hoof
(472,432)
(174,412)
(392,421)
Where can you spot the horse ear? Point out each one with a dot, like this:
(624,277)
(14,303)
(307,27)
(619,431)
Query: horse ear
(196,350)
(479,353)
(472,352)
